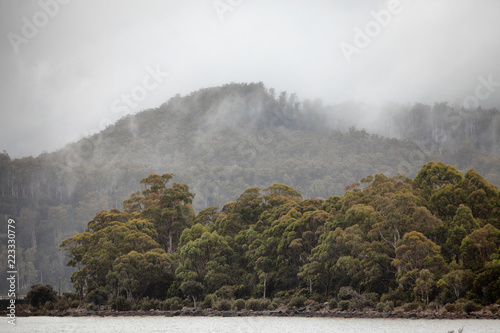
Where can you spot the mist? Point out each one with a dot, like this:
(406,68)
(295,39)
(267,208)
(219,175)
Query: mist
(71,68)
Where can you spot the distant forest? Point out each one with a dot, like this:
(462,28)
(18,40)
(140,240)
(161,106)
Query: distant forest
(222,141)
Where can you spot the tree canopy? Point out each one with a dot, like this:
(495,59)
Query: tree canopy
(389,238)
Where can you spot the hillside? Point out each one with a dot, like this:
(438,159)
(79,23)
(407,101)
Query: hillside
(221,141)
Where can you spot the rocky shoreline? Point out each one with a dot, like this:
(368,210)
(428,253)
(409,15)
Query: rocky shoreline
(300,312)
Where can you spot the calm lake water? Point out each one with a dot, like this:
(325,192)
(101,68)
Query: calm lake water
(243,325)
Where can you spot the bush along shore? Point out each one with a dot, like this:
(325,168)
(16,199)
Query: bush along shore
(298,306)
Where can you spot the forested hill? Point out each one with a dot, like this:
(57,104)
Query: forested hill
(221,141)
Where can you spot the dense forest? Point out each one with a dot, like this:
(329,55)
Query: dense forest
(224,140)
(388,241)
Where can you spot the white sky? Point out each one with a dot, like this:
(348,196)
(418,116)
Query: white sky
(64,78)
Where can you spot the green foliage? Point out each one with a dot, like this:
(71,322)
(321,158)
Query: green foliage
(63,304)
(223,305)
(385,243)
(147,304)
(471,307)
(258,304)
(332,304)
(194,289)
(120,303)
(387,306)
(210,301)
(225,292)
(239,304)
(347,293)
(413,306)
(98,297)
(450,307)
(40,295)
(49,306)
(173,304)
(297,301)
(344,305)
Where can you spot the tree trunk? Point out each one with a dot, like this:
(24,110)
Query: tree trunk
(265,282)
(170,249)
(194,301)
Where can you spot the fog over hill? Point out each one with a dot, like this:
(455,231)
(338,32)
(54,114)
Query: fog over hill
(69,76)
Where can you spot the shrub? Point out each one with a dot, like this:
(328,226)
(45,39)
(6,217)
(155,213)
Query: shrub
(360,302)
(371,299)
(97,297)
(172,304)
(147,304)
(120,303)
(239,304)
(433,306)
(49,305)
(346,293)
(344,305)
(380,307)
(241,290)
(223,305)
(63,304)
(413,306)
(71,296)
(302,292)
(209,302)
(471,307)
(74,304)
(319,298)
(332,304)
(225,292)
(386,306)
(297,301)
(450,307)
(317,307)
(258,304)
(41,294)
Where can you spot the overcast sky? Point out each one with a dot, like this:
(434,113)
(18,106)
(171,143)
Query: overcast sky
(68,69)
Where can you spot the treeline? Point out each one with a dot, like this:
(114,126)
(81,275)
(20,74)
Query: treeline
(221,141)
(388,241)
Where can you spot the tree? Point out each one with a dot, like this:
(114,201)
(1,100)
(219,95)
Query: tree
(136,272)
(434,175)
(201,250)
(194,289)
(415,251)
(458,280)
(424,284)
(414,254)
(477,247)
(168,207)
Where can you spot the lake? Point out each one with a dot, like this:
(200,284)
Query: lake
(243,325)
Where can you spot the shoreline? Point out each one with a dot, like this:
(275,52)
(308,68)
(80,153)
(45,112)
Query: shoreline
(190,312)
